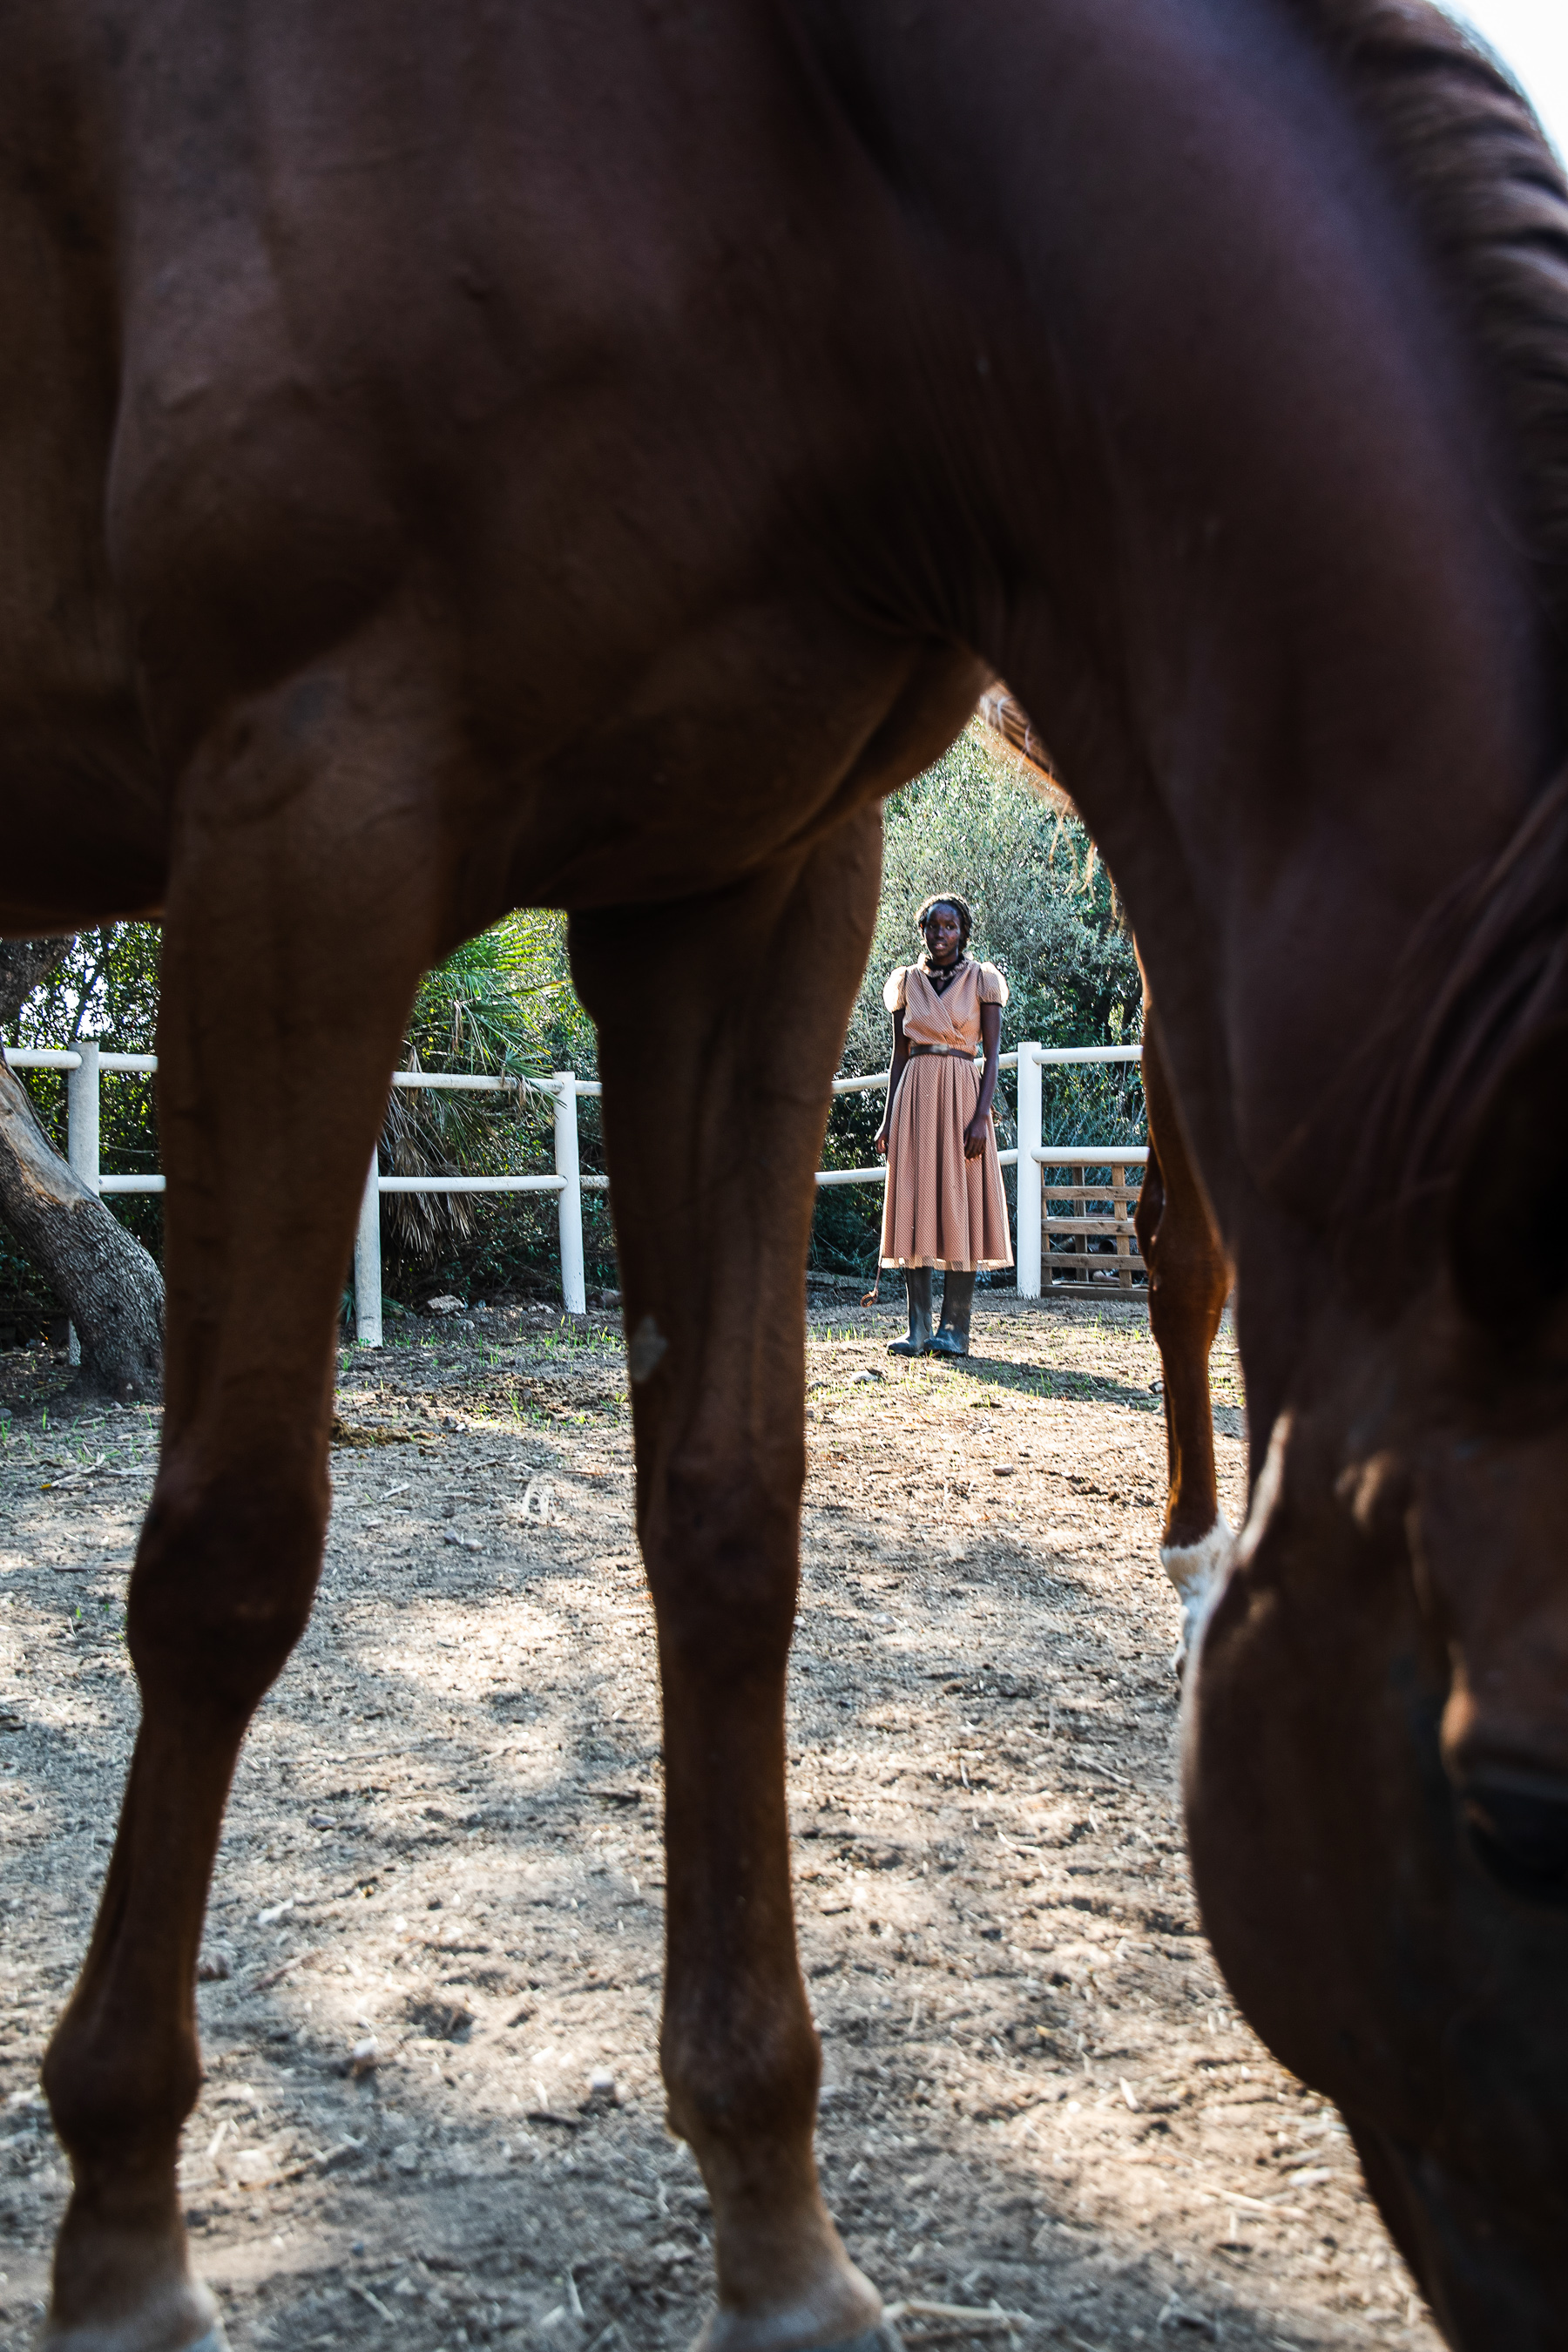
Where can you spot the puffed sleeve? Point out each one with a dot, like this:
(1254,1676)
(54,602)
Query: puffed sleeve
(894,990)
(992,987)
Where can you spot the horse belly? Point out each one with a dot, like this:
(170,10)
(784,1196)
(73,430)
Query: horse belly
(745,742)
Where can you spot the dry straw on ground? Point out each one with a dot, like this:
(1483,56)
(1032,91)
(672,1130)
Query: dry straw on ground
(433,1958)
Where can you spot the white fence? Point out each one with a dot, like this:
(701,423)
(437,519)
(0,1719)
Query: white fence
(1035,1225)
(86,1065)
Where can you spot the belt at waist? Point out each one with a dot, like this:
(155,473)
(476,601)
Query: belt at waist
(958,1053)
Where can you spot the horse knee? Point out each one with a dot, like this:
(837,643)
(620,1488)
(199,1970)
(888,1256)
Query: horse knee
(752,2073)
(116,2094)
(225,1573)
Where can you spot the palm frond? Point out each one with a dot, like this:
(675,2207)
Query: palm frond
(484,1012)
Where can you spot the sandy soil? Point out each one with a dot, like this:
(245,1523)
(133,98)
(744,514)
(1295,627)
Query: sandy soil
(443,1843)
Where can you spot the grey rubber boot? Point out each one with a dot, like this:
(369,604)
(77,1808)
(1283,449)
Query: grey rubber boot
(957,1304)
(918,1341)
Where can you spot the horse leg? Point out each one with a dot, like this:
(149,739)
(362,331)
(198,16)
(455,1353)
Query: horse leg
(718,1039)
(1189,1279)
(293,944)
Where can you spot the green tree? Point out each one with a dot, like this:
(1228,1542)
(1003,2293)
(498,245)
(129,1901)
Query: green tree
(105,985)
(1044,910)
(1046,914)
(52,993)
(502,1005)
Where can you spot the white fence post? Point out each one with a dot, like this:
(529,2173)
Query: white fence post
(81,1141)
(81,1115)
(367,1261)
(573,1293)
(1030,1091)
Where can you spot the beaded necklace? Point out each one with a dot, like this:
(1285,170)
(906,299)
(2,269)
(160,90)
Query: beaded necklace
(939,975)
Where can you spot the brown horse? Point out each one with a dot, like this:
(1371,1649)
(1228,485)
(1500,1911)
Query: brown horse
(437,447)
(1188,1272)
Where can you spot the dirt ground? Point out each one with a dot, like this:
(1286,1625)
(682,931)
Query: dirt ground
(443,1853)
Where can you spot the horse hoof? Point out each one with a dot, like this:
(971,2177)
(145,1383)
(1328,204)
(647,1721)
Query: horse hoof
(794,2329)
(883,2337)
(211,2339)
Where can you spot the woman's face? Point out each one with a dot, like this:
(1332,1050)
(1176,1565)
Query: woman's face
(943,935)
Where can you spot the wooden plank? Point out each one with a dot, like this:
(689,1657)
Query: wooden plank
(1078,1191)
(1108,1261)
(1097,1290)
(1119,1181)
(1084,1266)
(1107,1228)
(1079,1269)
(1109,1264)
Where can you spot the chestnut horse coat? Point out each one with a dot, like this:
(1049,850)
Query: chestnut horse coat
(458,455)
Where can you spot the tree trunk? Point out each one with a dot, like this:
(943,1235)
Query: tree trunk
(111,1289)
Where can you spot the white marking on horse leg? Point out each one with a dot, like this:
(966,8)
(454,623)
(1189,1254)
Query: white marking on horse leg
(647,1349)
(1197,1570)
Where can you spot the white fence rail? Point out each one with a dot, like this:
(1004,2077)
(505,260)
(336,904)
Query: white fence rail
(86,1065)
(1036,1225)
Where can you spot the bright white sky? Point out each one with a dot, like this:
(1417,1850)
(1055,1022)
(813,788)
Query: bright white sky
(1531,38)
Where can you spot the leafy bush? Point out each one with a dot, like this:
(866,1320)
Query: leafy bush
(106,987)
(1046,914)
(1044,911)
(503,1004)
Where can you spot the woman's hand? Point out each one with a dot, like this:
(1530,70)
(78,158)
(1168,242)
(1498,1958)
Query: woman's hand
(880,1141)
(979,1127)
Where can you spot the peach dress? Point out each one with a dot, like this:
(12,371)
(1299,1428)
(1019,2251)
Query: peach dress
(941,1209)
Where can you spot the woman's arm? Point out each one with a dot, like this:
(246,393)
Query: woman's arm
(979,1127)
(900,1057)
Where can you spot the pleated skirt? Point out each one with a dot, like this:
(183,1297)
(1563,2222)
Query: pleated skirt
(941,1209)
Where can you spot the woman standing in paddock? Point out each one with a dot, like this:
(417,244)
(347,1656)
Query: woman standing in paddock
(944,1206)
